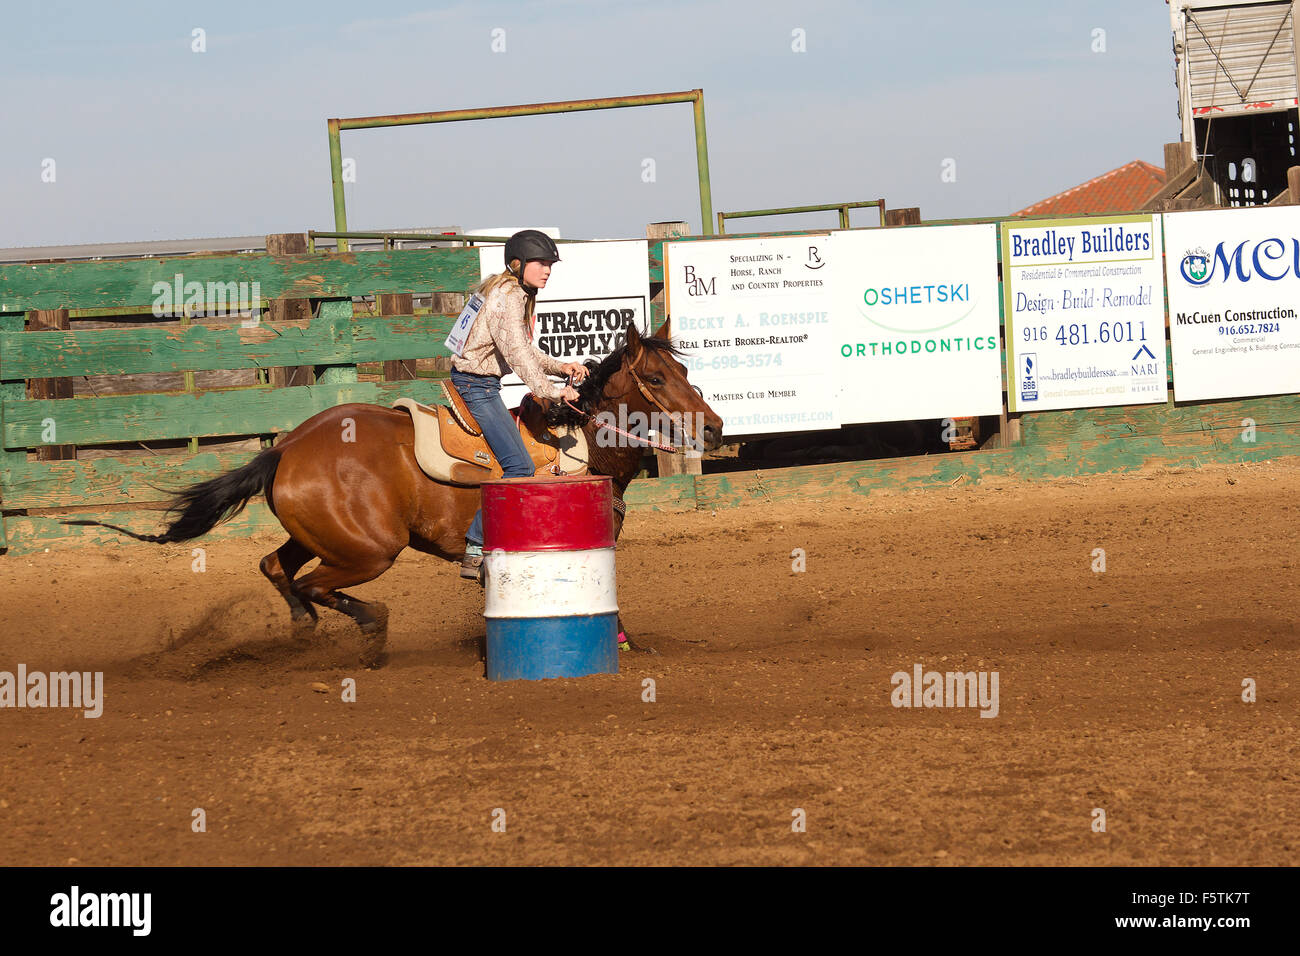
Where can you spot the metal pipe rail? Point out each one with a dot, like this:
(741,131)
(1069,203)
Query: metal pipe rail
(694,97)
(843,209)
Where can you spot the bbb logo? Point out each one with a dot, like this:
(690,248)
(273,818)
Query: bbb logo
(1029,377)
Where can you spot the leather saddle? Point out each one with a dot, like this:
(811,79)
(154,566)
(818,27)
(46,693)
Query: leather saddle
(450,447)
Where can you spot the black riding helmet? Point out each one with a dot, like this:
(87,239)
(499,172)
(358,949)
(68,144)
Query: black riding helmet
(528,245)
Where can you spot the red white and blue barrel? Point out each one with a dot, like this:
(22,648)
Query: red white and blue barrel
(550,602)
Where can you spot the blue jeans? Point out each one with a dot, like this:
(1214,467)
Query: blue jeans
(482,393)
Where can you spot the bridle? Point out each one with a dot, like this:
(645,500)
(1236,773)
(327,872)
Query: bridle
(668,447)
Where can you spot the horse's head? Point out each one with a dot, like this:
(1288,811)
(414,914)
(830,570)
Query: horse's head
(642,384)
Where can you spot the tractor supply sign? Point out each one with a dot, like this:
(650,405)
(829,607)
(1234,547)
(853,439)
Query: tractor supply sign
(1234,296)
(595,292)
(1085,313)
(917,323)
(753,317)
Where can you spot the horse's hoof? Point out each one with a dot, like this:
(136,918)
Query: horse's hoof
(374,636)
(632,645)
(302,629)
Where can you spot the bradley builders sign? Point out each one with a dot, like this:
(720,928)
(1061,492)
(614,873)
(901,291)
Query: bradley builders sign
(1234,302)
(1085,322)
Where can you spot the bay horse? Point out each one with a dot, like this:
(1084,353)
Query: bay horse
(356,504)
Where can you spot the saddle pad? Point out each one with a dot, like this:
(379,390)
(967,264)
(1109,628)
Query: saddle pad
(569,448)
(433,461)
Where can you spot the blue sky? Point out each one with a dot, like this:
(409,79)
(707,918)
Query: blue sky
(153,141)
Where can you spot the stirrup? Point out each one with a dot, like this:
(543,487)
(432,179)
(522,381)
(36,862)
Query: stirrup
(471,567)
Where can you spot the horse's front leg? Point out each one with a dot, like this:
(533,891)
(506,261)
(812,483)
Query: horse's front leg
(625,643)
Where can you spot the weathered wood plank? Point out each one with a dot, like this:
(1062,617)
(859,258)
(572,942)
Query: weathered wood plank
(1087,424)
(385,338)
(34,533)
(109,481)
(117,418)
(179,348)
(201,347)
(1026,463)
(674,493)
(140,481)
(819,481)
(131,282)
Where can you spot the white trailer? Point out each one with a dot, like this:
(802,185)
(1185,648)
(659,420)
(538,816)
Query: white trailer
(1235,65)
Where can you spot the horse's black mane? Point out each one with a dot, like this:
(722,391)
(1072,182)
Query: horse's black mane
(592,390)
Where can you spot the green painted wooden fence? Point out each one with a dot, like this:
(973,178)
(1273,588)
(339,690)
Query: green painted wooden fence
(36,496)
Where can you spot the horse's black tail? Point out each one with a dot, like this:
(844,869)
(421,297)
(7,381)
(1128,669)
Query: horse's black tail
(203,506)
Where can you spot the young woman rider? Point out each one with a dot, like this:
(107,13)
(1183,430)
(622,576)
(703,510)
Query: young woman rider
(500,340)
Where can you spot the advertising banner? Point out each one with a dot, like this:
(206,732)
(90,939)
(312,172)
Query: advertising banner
(1085,312)
(916,321)
(1234,292)
(753,317)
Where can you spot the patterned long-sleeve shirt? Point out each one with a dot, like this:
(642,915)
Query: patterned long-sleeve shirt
(500,341)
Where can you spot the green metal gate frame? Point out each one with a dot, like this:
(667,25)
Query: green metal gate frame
(694,97)
(841,207)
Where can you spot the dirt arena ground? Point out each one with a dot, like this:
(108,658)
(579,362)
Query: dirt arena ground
(1120,690)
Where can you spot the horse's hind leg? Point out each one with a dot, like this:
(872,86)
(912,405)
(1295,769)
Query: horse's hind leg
(279,567)
(321,584)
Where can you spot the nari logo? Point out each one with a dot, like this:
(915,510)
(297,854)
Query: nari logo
(1029,377)
(1196,266)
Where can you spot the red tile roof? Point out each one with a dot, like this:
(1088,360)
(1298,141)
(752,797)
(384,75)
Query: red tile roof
(1120,190)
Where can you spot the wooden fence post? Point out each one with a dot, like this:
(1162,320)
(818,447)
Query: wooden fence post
(44,320)
(657,232)
(285,310)
(1178,156)
(906,216)
(445,303)
(682,463)
(397,303)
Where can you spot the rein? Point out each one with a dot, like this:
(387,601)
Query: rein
(617,430)
(668,447)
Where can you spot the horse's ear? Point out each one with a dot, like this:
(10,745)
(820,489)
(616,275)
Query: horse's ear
(634,346)
(665,331)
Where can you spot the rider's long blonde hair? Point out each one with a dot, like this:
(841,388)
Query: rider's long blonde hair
(507,278)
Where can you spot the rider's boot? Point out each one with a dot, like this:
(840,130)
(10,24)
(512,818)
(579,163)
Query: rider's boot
(471,566)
